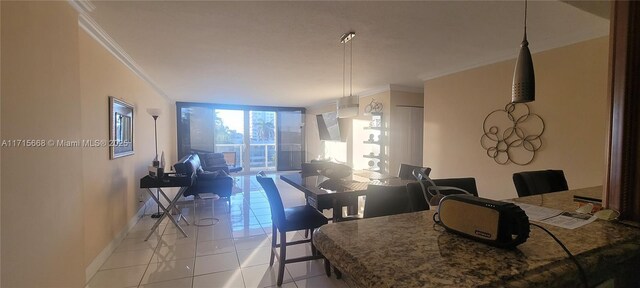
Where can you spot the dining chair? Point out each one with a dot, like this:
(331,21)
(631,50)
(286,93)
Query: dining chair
(311,169)
(421,173)
(539,182)
(284,220)
(383,201)
(406,171)
(386,200)
(419,191)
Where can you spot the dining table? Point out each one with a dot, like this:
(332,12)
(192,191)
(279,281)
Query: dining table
(322,192)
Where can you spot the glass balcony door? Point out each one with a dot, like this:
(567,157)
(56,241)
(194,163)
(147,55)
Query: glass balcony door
(290,140)
(262,140)
(250,134)
(229,133)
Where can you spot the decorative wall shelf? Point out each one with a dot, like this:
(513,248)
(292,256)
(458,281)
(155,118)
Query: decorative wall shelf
(377,127)
(373,156)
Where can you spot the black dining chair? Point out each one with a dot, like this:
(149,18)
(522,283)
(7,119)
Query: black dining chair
(290,219)
(446,186)
(311,169)
(406,171)
(539,182)
(384,201)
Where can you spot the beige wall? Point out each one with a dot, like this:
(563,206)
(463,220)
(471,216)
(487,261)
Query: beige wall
(62,206)
(402,98)
(571,89)
(400,127)
(110,187)
(42,199)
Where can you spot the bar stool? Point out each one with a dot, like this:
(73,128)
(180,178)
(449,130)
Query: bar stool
(290,219)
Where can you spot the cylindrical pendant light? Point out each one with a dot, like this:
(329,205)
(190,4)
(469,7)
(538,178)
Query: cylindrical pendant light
(523,88)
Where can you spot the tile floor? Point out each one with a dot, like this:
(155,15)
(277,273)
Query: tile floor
(232,253)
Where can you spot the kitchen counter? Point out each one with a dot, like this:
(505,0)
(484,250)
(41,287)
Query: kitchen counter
(409,250)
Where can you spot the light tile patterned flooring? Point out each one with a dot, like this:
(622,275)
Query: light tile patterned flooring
(232,253)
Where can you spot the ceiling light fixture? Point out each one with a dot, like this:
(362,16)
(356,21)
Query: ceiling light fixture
(523,88)
(348,106)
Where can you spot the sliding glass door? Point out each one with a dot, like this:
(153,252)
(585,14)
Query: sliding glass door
(229,133)
(290,140)
(263,138)
(195,130)
(262,146)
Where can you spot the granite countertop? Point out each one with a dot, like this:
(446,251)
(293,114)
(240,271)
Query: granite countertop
(409,250)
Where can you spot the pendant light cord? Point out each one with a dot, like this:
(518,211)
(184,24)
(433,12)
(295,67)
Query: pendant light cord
(525,22)
(525,16)
(344,64)
(351,69)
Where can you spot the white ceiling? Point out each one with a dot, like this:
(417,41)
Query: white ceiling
(288,53)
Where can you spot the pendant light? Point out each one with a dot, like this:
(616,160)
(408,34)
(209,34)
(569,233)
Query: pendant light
(348,106)
(523,88)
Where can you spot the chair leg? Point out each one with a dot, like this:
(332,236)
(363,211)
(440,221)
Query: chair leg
(327,267)
(283,256)
(314,251)
(338,273)
(274,238)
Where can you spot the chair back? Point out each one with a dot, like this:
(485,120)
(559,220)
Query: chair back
(311,169)
(187,165)
(416,197)
(539,182)
(386,200)
(421,174)
(446,186)
(406,171)
(230,158)
(273,195)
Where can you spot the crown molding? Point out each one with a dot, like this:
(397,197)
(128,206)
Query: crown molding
(408,89)
(391,87)
(374,90)
(546,44)
(96,32)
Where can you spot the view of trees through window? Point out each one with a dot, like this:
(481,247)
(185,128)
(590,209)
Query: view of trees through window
(229,136)
(224,134)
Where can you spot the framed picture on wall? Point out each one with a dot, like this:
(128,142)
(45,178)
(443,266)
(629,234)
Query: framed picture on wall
(120,128)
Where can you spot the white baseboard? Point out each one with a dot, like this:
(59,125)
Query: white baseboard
(97,262)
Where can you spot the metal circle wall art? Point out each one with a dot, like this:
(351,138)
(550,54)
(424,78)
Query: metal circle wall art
(512,134)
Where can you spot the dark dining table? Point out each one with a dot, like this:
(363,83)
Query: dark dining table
(325,193)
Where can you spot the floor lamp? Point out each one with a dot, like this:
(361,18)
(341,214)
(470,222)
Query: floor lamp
(155,112)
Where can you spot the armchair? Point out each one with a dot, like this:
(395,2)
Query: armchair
(225,161)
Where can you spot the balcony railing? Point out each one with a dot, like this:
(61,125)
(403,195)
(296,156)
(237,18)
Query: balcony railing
(262,156)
